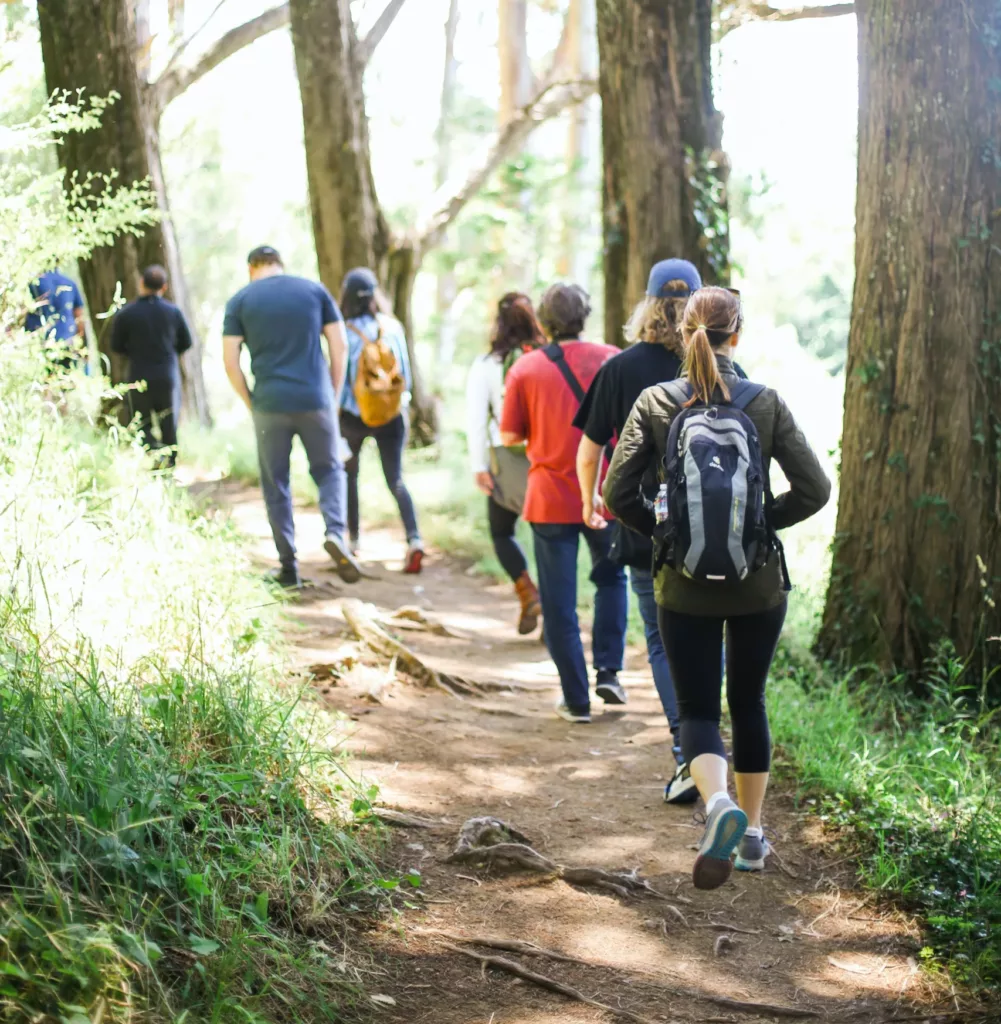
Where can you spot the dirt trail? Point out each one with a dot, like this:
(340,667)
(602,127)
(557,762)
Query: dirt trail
(584,795)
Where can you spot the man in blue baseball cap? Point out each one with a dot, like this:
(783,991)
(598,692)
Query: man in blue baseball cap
(655,355)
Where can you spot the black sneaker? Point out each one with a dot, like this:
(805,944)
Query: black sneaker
(288,578)
(609,689)
(681,789)
(347,568)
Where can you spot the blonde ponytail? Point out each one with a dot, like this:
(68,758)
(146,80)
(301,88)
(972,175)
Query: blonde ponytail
(701,368)
(712,317)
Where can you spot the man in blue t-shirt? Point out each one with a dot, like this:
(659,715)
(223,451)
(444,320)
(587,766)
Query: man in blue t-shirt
(280,319)
(58,310)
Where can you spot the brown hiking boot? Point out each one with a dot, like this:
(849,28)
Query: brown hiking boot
(530,607)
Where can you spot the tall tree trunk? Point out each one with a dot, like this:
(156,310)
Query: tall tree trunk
(515,70)
(918,547)
(89,44)
(349,228)
(582,46)
(446,283)
(664,181)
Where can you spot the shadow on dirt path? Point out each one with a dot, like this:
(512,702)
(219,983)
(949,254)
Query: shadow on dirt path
(802,936)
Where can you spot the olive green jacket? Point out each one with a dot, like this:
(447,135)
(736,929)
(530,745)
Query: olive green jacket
(644,440)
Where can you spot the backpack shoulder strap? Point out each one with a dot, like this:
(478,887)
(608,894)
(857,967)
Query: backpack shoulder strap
(679,391)
(743,393)
(555,355)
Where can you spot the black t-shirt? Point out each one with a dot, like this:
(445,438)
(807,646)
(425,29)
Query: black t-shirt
(619,382)
(605,409)
(152,333)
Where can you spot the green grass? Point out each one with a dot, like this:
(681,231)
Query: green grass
(911,785)
(179,837)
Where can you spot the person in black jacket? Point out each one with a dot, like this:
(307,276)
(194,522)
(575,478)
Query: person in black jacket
(153,333)
(656,354)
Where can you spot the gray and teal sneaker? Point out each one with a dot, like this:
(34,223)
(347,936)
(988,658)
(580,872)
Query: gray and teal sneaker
(751,853)
(724,830)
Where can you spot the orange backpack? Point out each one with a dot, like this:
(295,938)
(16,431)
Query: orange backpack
(379,380)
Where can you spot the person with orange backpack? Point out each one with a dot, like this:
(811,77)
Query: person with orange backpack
(375,401)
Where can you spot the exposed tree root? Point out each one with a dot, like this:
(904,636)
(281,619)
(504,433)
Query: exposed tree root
(413,618)
(404,820)
(762,1009)
(547,983)
(508,945)
(490,841)
(363,620)
(729,928)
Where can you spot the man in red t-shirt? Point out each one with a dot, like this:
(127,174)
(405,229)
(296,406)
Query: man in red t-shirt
(543,391)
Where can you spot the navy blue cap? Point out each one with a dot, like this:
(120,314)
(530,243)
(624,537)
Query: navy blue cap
(360,283)
(673,270)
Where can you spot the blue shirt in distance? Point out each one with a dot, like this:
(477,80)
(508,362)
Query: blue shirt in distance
(57,298)
(280,319)
(364,328)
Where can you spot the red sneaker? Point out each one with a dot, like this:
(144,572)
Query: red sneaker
(414,561)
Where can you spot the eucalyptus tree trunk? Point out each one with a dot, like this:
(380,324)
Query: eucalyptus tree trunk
(574,261)
(349,228)
(917,555)
(93,45)
(446,283)
(665,174)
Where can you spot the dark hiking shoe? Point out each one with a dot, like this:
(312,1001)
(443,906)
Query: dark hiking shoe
(288,578)
(609,689)
(724,829)
(681,789)
(581,716)
(344,563)
(414,561)
(751,853)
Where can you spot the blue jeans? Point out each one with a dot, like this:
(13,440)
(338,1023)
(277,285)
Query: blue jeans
(556,558)
(642,583)
(319,435)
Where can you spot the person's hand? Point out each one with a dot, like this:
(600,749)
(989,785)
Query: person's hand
(485,482)
(593,514)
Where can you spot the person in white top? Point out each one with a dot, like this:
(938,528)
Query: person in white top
(502,473)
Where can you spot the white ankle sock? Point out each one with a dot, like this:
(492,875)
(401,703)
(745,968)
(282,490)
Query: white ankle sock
(715,799)
(754,832)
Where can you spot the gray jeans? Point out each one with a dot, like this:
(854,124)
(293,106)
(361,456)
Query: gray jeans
(320,436)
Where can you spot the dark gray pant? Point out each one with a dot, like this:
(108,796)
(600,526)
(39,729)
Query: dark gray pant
(320,438)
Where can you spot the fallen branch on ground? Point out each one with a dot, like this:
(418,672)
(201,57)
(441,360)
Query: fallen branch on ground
(490,841)
(363,620)
(729,928)
(542,981)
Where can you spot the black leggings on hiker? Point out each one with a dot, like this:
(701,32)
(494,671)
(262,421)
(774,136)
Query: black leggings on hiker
(694,647)
(509,554)
(391,439)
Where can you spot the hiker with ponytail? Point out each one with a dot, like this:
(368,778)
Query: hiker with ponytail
(711,437)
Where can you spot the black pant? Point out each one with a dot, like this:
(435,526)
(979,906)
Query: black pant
(694,647)
(502,523)
(391,439)
(156,403)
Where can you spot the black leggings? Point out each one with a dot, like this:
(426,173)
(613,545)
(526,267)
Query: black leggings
(509,554)
(694,647)
(391,439)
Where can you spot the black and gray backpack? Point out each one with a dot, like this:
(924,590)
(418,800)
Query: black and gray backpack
(711,506)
